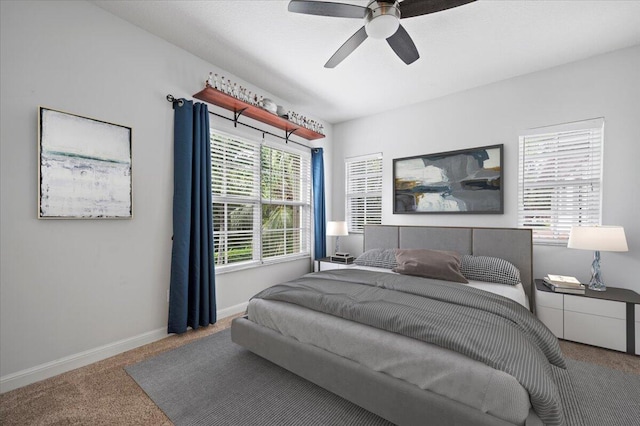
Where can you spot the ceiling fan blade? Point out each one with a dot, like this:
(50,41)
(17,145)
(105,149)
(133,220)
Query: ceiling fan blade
(411,8)
(346,49)
(404,47)
(322,8)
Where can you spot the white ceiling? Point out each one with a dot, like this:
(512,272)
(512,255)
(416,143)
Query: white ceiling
(461,48)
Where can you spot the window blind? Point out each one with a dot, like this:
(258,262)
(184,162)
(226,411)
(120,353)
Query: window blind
(261,200)
(235,183)
(363,191)
(286,202)
(560,179)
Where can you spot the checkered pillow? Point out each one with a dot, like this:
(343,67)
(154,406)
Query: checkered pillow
(378,258)
(490,269)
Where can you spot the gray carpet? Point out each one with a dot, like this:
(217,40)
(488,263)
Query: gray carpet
(215,382)
(607,397)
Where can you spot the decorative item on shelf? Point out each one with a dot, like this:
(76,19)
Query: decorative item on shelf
(337,229)
(597,238)
(269,105)
(223,85)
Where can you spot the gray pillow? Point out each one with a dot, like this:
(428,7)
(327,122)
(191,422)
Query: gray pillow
(377,258)
(438,264)
(490,269)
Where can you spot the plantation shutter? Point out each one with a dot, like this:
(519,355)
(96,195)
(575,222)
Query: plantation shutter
(560,179)
(363,191)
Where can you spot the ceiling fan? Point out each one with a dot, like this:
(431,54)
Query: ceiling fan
(381,20)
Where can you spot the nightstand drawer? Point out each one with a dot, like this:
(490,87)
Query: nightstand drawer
(552,318)
(327,266)
(595,330)
(549,299)
(599,307)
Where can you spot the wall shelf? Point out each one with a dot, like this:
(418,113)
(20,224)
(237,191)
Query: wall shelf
(239,108)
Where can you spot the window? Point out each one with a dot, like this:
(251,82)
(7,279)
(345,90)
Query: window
(364,191)
(559,179)
(285,202)
(261,201)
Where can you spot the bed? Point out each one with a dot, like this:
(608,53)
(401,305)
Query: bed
(388,366)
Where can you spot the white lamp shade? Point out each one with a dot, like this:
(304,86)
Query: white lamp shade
(336,229)
(598,238)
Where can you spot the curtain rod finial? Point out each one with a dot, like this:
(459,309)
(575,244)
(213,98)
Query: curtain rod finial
(173,100)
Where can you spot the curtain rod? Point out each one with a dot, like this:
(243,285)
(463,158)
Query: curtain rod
(180,102)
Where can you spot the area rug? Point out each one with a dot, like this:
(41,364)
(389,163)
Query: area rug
(607,397)
(213,381)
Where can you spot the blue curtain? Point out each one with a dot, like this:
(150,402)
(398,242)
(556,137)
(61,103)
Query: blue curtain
(192,300)
(319,214)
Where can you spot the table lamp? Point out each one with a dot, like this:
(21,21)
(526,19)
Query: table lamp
(337,229)
(597,238)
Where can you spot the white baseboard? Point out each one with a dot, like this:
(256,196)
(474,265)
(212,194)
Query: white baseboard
(232,310)
(71,362)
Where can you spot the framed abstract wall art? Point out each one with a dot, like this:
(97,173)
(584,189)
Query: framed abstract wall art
(84,167)
(464,181)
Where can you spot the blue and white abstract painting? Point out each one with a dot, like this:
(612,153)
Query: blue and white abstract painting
(85,167)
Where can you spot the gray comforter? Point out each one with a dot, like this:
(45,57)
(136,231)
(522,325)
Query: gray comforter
(483,326)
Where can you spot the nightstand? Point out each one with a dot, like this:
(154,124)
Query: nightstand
(325,264)
(609,319)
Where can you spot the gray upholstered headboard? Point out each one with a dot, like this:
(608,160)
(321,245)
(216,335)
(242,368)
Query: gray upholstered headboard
(514,245)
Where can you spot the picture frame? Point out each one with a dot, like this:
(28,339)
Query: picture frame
(466,181)
(84,167)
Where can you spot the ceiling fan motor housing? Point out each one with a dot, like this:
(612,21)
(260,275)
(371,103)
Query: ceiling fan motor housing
(382,19)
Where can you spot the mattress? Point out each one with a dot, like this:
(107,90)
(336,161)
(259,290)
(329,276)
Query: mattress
(422,364)
(513,292)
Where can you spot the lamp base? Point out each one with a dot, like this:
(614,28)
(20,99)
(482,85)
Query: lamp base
(596,282)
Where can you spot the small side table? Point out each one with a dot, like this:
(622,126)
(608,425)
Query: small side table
(325,264)
(609,319)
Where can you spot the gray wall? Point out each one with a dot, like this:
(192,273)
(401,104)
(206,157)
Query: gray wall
(604,86)
(77,290)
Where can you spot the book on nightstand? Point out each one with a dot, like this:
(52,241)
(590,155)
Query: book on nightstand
(564,284)
(342,259)
(562,280)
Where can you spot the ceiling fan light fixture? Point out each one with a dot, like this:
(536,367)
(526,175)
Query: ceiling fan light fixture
(382,19)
